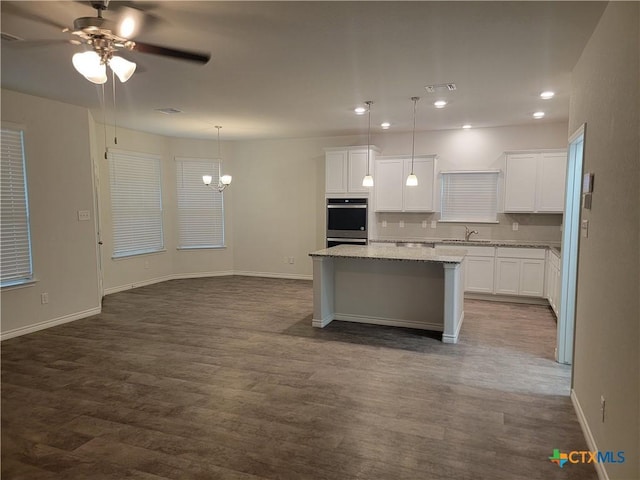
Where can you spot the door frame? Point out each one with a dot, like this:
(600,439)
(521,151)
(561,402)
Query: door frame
(570,247)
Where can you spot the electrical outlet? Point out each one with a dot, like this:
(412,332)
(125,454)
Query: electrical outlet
(401,224)
(603,404)
(515,226)
(424,224)
(384,224)
(292,260)
(434,224)
(146,264)
(44,298)
(584,228)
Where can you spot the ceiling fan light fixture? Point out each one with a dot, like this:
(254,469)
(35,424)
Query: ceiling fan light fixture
(88,64)
(131,20)
(122,68)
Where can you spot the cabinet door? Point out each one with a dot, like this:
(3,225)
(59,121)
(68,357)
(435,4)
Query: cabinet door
(388,185)
(552,172)
(520,183)
(531,278)
(357,170)
(478,273)
(419,198)
(507,276)
(336,172)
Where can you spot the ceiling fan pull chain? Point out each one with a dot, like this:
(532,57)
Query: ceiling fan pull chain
(115,122)
(104,120)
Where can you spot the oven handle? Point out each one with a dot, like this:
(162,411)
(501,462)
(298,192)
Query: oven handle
(346,206)
(347,240)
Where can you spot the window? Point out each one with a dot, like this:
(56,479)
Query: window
(200,208)
(469,197)
(136,203)
(15,236)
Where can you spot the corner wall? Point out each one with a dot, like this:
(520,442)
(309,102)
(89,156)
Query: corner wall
(605,96)
(59,182)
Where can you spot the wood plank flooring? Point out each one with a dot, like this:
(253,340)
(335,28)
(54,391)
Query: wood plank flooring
(224,378)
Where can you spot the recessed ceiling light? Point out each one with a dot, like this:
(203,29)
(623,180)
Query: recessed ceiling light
(440,104)
(360,110)
(546,95)
(466,127)
(538,115)
(385,125)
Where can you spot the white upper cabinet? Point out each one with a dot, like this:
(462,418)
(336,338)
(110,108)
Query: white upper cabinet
(535,182)
(552,174)
(391,192)
(346,167)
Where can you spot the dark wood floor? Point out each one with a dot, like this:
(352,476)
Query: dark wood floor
(224,378)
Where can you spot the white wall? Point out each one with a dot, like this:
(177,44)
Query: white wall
(129,272)
(605,96)
(60,182)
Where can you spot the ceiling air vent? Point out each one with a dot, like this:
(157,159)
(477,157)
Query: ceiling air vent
(440,86)
(7,37)
(168,110)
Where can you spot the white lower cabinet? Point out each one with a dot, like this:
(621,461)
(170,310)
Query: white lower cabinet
(552,288)
(478,269)
(520,271)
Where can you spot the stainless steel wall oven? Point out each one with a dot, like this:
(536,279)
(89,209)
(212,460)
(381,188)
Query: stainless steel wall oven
(346,221)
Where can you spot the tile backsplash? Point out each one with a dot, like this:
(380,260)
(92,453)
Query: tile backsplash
(410,226)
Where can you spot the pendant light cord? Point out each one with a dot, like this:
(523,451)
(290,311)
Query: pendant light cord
(103,101)
(115,123)
(369,103)
(413,136)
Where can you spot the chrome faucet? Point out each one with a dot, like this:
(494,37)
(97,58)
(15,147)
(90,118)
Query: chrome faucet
(468,233)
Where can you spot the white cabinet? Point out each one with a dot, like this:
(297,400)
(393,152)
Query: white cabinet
(391,192)
(346,167)
(552,284)
(520,271)
(479,269)
(535,182)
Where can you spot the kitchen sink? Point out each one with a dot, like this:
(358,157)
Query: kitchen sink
(459,240)
(414,244)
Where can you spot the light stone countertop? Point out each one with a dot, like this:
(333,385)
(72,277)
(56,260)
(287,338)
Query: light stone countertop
(391,252)
(474,243)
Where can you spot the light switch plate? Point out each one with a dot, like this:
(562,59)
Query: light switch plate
(84,215)
(424,224)
(384,224)
(401,223)
(434,224)
(515,226)
(585,228)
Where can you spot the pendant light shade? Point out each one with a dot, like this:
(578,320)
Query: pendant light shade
(412,180)
(122,68)
(88,64)
(367,181)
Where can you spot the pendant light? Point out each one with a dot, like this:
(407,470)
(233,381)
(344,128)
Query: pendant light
(367,181)
(225,180)
(412,180)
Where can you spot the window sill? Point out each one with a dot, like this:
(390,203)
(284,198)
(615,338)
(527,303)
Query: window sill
(141,254)
(16,286)
(217,247)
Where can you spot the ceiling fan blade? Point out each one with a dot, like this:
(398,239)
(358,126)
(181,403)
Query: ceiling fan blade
(22,12)
(197,57)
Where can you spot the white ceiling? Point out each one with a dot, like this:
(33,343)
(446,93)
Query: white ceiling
(298,69)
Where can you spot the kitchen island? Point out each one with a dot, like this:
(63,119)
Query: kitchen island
(389,285)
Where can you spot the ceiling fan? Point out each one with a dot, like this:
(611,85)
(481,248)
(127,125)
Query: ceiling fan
(106,38)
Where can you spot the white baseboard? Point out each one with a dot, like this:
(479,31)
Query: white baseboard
(454,338)
(490,297)
(290,276)
(16,332)
(393,322)
(588,436)
(175,276)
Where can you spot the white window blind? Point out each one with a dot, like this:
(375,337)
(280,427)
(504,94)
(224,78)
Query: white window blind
(15,237)
(136,203)
(200,208)
(469,197)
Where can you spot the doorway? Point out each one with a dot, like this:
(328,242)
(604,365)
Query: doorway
(570,244)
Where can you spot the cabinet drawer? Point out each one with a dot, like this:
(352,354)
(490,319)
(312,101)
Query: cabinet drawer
(508,252)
